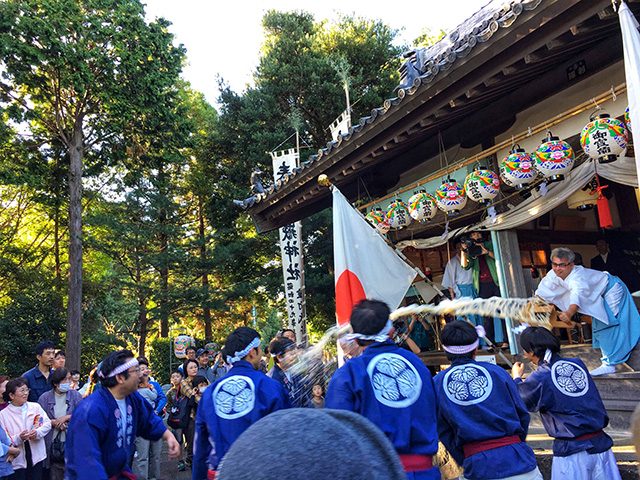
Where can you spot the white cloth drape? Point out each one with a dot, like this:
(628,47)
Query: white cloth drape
(622,171)
(631,48)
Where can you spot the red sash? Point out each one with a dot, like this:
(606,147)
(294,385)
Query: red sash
(416,463)
(587,436)
(127,475)
(211,474)
(477,447)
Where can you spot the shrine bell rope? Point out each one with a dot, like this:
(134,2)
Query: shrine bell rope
(506,144)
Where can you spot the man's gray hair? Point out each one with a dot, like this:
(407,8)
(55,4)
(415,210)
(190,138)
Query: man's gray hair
(564,253)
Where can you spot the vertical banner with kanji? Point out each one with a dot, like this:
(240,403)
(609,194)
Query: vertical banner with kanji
(284,162)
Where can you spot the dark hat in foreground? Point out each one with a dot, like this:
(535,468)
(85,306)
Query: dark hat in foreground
(312,444)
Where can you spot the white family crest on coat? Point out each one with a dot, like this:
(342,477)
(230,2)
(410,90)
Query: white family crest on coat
(395,382)
(234,397)
(569,378)
(467,384)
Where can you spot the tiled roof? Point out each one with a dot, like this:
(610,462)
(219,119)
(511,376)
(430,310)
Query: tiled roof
(422,66)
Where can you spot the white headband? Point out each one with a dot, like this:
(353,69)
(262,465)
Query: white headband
(381,336)
(462,349)
(122,368)
(255,343)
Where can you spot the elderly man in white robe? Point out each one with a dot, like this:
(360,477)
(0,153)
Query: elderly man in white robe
(616,321)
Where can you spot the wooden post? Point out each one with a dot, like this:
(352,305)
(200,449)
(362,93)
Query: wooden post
(510,273)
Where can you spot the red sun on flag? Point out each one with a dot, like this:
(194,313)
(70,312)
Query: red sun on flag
(349,291)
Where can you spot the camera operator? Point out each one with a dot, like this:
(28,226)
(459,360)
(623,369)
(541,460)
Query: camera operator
(478,257)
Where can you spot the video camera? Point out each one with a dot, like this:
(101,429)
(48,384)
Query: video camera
(472,247)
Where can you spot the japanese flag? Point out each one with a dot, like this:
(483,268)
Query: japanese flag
(365,266)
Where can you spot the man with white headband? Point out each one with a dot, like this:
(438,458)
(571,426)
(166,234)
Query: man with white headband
(233,403)
(101,437)
(391,387)
(482,421)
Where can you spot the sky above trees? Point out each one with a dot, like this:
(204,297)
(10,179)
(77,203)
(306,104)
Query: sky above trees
(224,38)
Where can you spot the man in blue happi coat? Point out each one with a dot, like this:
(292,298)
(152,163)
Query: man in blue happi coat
(101,436)
(234,403)
(482,420)
(391,387)
(570,407)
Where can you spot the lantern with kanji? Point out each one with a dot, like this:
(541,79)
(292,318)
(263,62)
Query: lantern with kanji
(604,138)
(398,214)
(554,158)
(516,169)
(377,218)
(422,206)
(627,122)
(482,185)
(450,197)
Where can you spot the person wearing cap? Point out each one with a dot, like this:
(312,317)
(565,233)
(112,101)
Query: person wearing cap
(312,444)
(233,403)
(391,387)
(204,370)
(570,406)
(101,436)
(482,421)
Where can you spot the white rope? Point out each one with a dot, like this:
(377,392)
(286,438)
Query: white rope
(532,311)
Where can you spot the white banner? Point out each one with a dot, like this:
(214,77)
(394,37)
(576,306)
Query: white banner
(340,125)
(291,250)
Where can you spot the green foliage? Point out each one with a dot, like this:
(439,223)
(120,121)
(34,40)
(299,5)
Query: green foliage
(159,354)
(428,37)
(33,314)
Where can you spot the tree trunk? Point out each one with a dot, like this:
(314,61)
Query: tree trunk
(74,309)
(56,246)
(142,309)
(206,311)
(164,259)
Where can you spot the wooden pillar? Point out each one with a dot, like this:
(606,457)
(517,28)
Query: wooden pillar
(510,273)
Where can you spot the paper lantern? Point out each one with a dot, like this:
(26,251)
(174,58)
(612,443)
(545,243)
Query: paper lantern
(482,185)
(398,214)
(516,169)
(378,219)
(627,122)
(554,158)
(450,197)
(422,206)
(180,344)
(604,138)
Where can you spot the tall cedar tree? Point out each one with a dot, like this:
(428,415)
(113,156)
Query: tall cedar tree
(79,72)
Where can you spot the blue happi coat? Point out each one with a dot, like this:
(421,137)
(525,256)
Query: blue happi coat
(227,408)
(569,404)
(392,388)
(478,401)
(95,447)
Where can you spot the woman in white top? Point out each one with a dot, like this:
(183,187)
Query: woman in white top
(26,424)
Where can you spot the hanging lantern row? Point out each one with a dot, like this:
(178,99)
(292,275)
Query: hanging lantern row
(603,139)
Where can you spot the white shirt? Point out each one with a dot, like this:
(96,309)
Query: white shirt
(455,275)
(583,287)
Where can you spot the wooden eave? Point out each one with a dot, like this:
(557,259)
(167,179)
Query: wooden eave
(496,73)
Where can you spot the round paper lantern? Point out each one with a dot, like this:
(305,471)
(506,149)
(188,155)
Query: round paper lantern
(450,197)
(422,206)
(378,219)
(604,138)
(627,122)
(398,214)
(554,158)
(180,344)
(516,169)
(482,185)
